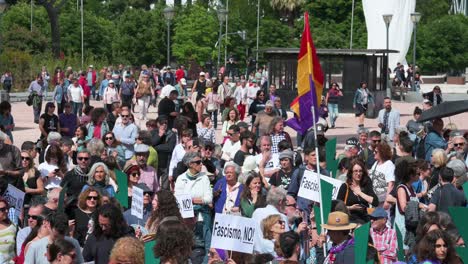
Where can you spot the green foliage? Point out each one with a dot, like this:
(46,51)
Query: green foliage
(18,62)
(279,37)
(140,37)
(22,38)
(195,33)
(441,45)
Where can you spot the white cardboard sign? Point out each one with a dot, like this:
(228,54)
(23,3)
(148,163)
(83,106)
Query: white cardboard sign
(137,202)
(15,198)
(185,205)
(231,232)
(309,188)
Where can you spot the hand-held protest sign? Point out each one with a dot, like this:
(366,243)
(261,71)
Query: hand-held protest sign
(137,202)
(459,216)
(330,154)
(14,197)
(361,240)
(309,188)
(122,193)
(184,201)
(231,232)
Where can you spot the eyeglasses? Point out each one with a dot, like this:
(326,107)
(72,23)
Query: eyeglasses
(458,144)
(135,174)
(357,171)
(124,116)
(441,245)
(208,149)
(377,141)
(89,198)
(3,209)
(83,158)
(25,158)
(109,138)
(198,162)
(34,217)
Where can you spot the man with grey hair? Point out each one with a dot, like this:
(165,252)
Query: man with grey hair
(276,203)
(263,119)
(34,217)
(459,147)
(75,179)
(227,190)
(459,172)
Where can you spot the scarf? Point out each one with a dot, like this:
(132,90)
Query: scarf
(83,177)
(191,176)
(337,249)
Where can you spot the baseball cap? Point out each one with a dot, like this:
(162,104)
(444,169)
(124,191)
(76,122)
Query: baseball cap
(202,74)
(378,213)
(353,142)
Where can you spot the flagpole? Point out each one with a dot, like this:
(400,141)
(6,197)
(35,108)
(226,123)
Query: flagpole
(318,176)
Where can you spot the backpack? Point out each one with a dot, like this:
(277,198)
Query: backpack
(420,148)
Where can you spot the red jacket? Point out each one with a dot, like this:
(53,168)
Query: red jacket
(84,84)
(179,75)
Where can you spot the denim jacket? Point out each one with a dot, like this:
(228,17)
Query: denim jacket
(358,97)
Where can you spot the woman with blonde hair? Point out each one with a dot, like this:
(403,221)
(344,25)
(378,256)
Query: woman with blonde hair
(143,93)
(272,227)
(127,250)
(33,184)
(439,160)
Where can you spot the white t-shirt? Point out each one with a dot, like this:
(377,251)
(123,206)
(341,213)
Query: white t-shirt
(272,164)
(166,90)
(229,150)
(76,93)
(380,176)
(50,182)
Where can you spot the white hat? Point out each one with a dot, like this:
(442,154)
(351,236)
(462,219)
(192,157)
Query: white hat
(141,148)
(183,81)
(202,73)
(111,81)
(91,66)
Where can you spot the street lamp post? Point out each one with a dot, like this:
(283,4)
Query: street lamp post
(387,19)
(415,17)
(258,34)
(222,13)
(168,15)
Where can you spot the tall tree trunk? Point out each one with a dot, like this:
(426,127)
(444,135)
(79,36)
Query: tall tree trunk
(55,30)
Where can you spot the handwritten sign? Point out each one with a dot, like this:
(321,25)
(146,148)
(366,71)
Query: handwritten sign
(309,188)
(137,202)
(14,197)
(185,205)
(232,232)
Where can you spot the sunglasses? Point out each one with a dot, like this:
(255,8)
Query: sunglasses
(123,116)
(25,158)
(83,158)
(377,141)
(89,198)
(34,217)
(109,138)
(3,209)
(198,162)
(135,174)
(281,222)
(458,144)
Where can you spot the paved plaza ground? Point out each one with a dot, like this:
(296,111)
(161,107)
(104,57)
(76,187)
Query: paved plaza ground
(346,125)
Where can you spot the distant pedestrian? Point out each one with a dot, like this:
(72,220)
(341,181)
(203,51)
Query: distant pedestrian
(361,101)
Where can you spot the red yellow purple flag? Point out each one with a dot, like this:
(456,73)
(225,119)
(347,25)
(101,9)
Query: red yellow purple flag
(309,83)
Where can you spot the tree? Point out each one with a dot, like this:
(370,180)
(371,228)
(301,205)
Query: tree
(53,10)
(441,45)
(288,9)
(195,32)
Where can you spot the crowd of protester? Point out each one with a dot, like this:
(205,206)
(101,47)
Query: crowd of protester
(396,176)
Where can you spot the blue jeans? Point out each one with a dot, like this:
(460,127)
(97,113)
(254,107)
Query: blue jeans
(77,109)
(333,111)
(215,118)
(205,211)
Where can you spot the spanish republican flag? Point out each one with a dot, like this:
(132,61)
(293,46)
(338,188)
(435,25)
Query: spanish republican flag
(309,84)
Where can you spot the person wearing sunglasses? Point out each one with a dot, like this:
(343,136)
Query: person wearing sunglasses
(33,184)
(367,154)
(197,184)
(272,227)
(126,132)
(76,178)
(7,233)
(83,221)
(55,228)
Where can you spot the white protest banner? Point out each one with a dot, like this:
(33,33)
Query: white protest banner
(137,202)
(309,188)
(15,198)
(231,232)
(185,205)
